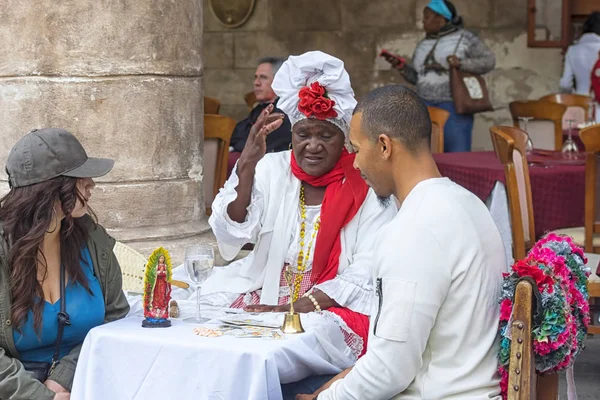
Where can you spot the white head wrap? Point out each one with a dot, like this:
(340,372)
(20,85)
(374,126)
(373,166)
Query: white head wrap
(315,66)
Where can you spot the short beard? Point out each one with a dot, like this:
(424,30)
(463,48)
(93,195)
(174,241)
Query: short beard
(384,202)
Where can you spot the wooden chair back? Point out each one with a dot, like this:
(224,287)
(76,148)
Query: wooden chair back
(211,105)
(590,137)
(217,134)
(438,118)
(545,129)
(594,292)
(133,267)
(578,107)
(250,99)
(509,145)
(523,382)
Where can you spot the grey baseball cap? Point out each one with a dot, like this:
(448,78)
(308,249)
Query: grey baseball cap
(44,154)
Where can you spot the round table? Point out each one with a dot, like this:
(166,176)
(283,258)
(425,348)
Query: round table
(121,361)
(557,190)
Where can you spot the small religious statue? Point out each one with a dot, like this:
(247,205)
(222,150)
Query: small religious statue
(157,290)
(291,320)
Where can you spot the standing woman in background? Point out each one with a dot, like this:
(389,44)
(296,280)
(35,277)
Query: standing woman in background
(447,43)
(581,58)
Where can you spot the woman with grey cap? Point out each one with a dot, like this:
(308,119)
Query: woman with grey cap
(59,277)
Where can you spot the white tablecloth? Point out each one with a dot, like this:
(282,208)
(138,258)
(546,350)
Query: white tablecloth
(122,361)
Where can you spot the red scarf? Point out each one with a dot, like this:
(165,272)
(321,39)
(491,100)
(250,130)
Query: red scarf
(346,191)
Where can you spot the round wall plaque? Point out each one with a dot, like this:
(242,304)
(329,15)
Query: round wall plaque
(232,13)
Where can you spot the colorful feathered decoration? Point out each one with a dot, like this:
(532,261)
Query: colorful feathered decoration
(558,267)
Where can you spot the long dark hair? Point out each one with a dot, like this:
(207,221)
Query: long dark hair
(27,213)
(592,24)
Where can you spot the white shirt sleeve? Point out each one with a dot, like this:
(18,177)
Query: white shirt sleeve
(232,236)
(412,283)
(566,82)
(353,287)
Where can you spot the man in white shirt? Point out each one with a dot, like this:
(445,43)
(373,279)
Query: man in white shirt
(438,267)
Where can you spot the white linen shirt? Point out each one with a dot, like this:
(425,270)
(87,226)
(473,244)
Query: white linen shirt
(433,335)
(270,223)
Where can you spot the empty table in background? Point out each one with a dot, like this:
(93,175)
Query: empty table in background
(557,189)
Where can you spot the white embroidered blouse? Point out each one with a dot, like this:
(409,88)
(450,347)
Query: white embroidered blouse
(273,225)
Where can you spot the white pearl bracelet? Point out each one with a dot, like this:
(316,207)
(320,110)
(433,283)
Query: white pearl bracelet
(315,302)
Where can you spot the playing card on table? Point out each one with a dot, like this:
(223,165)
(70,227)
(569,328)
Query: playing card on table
(262,333)
(244,320)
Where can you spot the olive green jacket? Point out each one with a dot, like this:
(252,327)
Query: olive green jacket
(15,382)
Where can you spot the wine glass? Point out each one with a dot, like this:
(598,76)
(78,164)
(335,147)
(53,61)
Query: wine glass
(198,264)
(529,143)
(570,147)
(591,111)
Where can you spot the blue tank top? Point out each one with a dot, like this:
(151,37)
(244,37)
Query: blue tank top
(85,310)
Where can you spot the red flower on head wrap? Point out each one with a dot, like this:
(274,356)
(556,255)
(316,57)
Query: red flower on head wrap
(315,103)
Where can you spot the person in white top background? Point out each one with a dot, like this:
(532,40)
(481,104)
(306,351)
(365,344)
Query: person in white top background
(437,266)
(580,59)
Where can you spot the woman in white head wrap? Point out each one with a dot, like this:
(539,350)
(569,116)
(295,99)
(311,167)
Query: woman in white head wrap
(308,209)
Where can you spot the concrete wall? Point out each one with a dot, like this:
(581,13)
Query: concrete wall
(355,31)
(126,78)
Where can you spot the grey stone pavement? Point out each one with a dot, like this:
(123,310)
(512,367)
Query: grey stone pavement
(587,372)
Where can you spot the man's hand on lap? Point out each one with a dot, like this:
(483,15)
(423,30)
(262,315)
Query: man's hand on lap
(305,397)
(55,386)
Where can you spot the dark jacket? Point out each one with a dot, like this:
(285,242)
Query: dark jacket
(15,382)
(278,140)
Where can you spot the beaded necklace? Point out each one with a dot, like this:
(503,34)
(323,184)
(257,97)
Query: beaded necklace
(302,258)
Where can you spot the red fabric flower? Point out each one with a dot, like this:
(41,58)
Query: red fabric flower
(315,103)
(522,268)
(505,309)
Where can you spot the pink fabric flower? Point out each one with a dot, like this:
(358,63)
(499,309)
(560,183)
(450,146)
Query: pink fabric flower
(542,348)
(506,309)
(503,381)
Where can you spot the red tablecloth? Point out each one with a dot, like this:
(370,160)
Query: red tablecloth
(557,190)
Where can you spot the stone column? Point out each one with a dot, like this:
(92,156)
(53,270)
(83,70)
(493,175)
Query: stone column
(126,78)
